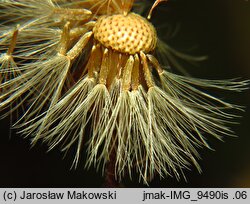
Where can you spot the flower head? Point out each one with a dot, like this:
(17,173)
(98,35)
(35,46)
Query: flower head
(74,63)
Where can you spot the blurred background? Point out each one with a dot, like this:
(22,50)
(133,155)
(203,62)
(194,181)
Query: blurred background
(217,29)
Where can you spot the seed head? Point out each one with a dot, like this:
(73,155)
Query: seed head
(91,63)
(126,33)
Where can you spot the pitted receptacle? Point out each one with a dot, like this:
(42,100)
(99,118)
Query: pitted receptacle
(126,34)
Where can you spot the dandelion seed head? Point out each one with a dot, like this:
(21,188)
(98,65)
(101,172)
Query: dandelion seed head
(141,116)
(126,33)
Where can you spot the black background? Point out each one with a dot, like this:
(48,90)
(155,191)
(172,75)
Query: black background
(217,28)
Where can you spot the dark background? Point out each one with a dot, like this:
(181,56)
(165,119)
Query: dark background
(217,28)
